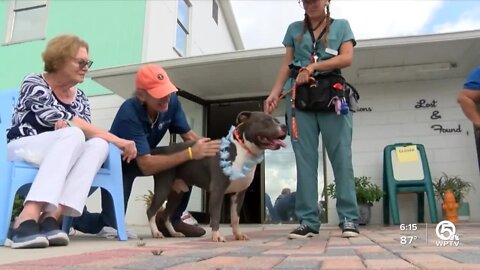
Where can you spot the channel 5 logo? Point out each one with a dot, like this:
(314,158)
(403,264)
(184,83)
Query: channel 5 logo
(446,232)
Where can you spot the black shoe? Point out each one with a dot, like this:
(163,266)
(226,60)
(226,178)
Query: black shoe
(27,235)
(303,231)
(349,229)
(51,229)
(188,230)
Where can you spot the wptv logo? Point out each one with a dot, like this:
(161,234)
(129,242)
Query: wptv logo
(446,232)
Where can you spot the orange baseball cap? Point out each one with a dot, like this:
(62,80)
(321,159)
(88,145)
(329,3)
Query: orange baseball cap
(155,81)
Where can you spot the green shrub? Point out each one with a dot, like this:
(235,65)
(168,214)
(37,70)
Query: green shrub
(17,206)
(146,198)
(459,187)
(367,192)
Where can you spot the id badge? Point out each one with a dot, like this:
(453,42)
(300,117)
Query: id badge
(331,51)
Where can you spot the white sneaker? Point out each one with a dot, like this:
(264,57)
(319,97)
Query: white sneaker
(131,233)
(188,218)
(107,232)
(72,231)
(110,233)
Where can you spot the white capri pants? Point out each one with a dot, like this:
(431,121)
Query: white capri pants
(68,165)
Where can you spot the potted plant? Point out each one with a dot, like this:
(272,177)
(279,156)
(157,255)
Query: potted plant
(367,193)
(186,217)
(459,187)
(146,198)
(17,206)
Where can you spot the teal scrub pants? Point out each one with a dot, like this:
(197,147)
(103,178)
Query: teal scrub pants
(336,131)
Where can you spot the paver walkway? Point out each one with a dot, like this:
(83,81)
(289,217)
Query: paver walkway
(377,247)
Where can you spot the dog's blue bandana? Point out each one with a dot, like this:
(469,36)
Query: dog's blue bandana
(226,164)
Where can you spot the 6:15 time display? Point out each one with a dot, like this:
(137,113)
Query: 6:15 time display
(408,227)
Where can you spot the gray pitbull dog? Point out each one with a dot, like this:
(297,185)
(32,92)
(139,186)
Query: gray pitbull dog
(229,172)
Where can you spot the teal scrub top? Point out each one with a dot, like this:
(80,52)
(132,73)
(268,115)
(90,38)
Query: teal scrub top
(339,33)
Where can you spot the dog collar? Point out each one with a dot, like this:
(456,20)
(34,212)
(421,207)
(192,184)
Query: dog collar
(226,164)
(241,141)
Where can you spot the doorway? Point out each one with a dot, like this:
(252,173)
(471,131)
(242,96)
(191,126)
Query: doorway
(220,117)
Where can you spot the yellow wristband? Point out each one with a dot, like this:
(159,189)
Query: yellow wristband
(190,154)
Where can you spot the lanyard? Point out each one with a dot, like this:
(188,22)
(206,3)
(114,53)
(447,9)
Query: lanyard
(315,54)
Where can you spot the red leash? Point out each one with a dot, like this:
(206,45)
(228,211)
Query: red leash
(293,90)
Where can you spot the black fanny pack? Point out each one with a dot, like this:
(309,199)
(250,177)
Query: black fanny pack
(329,92)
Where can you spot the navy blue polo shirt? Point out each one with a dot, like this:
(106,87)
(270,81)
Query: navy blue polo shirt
(472,82)
(132,123)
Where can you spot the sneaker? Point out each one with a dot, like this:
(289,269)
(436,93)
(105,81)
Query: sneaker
(110,233)
(182,227)
(107,232)
(27,235)
(349,229)
(188,218)
(72,231)
(303,231)
(52,231)
(131,234)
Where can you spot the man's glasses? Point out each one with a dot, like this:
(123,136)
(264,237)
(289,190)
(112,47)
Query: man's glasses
(84,63)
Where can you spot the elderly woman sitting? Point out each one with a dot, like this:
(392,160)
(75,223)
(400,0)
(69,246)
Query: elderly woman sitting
(51,128)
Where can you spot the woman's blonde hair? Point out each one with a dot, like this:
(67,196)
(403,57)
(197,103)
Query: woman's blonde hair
(306,23)
(59,50)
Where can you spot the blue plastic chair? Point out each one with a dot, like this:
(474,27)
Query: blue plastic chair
(17,176)
(419,182)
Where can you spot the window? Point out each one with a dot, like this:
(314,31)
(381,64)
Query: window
(183,20)
(27,20)
(215,11)
(279,176)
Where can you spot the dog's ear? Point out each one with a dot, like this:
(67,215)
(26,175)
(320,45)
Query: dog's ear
(241,117)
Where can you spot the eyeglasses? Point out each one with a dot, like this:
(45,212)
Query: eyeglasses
(84,63)
(304,3)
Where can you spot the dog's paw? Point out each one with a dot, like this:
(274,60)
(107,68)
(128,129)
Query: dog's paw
(240,236)
(216,237)
(157,234)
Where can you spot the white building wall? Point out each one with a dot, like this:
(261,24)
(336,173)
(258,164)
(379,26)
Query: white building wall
(393,118)
(206,37)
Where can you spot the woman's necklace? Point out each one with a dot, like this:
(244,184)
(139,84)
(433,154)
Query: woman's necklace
(318,25)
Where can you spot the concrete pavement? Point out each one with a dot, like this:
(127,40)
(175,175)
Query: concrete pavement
(378,247)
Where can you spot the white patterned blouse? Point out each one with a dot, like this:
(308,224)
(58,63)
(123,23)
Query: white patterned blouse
(38,108)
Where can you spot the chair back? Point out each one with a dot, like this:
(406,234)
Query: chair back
(8,99)
(406,170)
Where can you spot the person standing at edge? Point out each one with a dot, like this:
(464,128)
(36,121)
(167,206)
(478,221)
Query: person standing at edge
(469,97)
(308,55)
(145,118)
